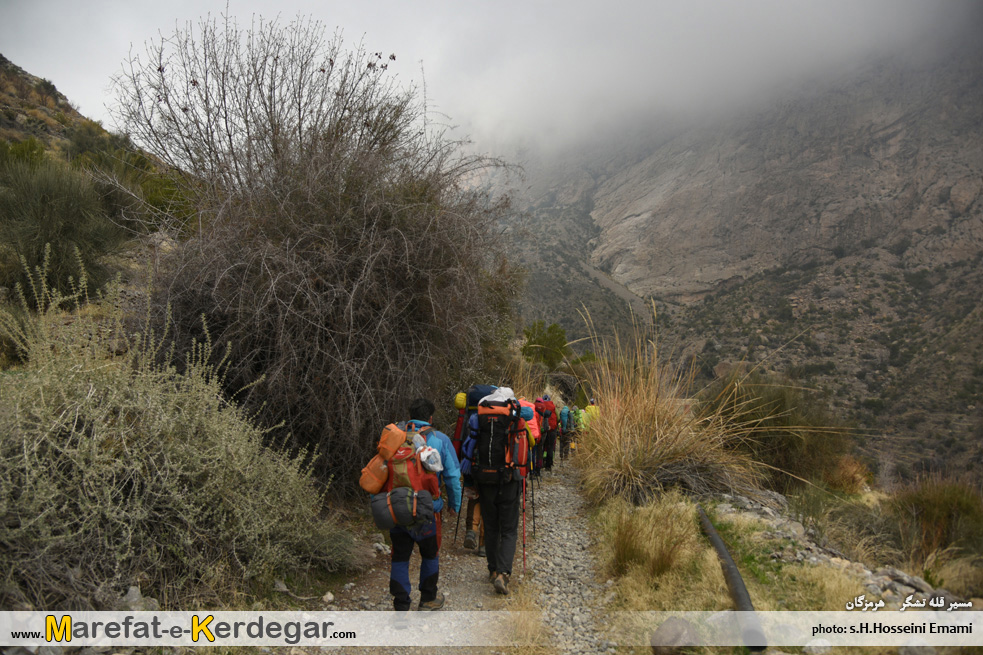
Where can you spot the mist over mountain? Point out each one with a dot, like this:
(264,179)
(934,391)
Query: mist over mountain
(834,231)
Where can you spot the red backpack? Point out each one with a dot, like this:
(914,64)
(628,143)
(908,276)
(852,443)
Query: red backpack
(406,468)
(410,489)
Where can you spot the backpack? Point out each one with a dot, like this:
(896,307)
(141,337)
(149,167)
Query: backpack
(376,472)
(500,451)
(410,489)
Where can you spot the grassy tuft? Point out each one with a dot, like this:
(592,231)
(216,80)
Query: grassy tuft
(936,513)
(645,439)
(651,540)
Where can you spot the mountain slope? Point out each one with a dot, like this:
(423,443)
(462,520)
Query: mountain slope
(834,235)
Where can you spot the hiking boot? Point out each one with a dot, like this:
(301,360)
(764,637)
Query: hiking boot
(491,576)
(501,583)
(481,551)
(431,605)
(471,540)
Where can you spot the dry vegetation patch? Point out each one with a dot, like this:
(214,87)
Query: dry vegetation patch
(116,471)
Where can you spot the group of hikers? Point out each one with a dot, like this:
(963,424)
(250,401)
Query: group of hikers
(501,445)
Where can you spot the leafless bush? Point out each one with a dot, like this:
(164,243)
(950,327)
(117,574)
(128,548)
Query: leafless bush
(344,250)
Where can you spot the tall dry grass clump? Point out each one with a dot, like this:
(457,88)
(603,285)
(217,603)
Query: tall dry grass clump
(115,471)
(644,438)
(793,435)
(936,513)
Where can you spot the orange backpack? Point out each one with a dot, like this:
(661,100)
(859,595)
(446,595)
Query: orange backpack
(376,472)
(501,449)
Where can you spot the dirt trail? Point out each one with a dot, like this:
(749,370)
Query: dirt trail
(560,578)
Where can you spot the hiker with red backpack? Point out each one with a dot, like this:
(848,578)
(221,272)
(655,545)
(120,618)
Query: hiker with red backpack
(495,454)
(548,409)
(405,470)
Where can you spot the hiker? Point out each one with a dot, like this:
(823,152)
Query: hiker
(495,455)
(538,460)
(577,420)
(428,538)
(474,536)
(549,424)
(590,412)
(565,432)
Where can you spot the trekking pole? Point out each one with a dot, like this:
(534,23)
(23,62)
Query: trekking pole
(523,525)
(533,494)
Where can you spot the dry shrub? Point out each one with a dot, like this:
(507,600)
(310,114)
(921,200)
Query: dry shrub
(936,513)
(781,427)
(644,440)
(848,475)
(115,471)
(345,250)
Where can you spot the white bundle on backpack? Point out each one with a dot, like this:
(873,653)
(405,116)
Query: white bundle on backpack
(431,459)
(500,395)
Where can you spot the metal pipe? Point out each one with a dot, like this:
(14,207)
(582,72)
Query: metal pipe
(751,632)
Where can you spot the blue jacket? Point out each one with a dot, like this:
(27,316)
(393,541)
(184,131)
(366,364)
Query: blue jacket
(451,475)
(467,446)
(565,418)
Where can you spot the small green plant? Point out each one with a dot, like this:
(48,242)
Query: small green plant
(51,213)
(547,345)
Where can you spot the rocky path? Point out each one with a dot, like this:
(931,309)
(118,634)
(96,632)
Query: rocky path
(564,570)
(560,580)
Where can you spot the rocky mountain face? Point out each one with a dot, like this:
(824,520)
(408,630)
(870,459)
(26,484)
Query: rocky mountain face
(834,236)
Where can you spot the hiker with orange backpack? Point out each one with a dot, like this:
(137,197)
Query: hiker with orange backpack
(427,537)
(495,454)
(474,536)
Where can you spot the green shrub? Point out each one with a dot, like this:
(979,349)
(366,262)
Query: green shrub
(49,212)
(115,471)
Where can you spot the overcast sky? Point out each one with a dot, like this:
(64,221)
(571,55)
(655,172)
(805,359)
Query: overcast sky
(506,69)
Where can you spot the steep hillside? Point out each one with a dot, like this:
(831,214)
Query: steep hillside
(890,158)
(835,236)
(33,107)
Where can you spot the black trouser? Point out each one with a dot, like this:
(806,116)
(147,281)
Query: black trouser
(549,449)
(500,506)
(399,576)
(565,440)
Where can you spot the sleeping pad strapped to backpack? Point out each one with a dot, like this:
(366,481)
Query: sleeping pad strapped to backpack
(409,493)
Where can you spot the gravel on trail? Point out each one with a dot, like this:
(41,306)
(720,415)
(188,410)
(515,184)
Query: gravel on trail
(560,578)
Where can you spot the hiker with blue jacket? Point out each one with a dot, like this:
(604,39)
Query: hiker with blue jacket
(421,415)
